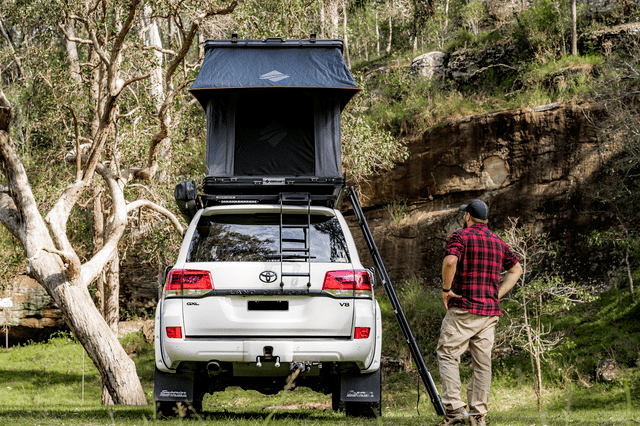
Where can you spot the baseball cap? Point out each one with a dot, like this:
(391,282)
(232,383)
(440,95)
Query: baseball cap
(477,209)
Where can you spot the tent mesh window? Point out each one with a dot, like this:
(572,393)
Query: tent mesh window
(274,134)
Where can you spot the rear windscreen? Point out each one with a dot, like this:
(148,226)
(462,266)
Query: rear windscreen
(257,238)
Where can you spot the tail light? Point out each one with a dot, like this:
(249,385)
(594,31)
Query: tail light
(348,283)
(188,282)
(174,332)
(362,333)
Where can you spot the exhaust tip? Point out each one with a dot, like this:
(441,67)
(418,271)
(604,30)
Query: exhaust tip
(213,368)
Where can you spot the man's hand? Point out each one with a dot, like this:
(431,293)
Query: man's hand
(448,296)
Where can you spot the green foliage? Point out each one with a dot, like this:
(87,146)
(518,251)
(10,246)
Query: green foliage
(136,346)
(472,13)
(424,311)
(12,257)
(398,210)
(276,18)
(543,27)
(366,148)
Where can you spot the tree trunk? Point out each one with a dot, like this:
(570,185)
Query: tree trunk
(112,293)
(574,30)
(72,51)
(60,275)
(538,380)
(323,22)
(377,35)
(346,37)
(98,240)
(388,49)
(16,58)
(365,41)
(152,39)
(334,16)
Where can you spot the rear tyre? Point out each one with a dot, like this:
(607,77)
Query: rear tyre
(363,409)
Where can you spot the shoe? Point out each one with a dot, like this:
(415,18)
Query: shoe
(453,417)
(477,420)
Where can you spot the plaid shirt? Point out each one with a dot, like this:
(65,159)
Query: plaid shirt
(481,257)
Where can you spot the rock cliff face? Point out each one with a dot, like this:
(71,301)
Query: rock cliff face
(530,164)
(33,315)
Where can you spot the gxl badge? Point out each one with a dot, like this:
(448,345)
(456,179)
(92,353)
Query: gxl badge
(268,276)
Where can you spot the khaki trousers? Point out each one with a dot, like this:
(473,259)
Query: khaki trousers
(462,330)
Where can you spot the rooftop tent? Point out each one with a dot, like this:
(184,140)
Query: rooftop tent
(273,107)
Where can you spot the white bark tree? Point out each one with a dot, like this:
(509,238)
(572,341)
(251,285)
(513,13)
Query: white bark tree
(53,261)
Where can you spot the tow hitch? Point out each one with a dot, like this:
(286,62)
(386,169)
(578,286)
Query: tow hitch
(267,357)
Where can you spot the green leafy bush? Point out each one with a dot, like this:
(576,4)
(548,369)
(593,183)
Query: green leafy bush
(424,311)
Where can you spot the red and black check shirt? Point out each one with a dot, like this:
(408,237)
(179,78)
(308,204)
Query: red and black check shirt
(482,256)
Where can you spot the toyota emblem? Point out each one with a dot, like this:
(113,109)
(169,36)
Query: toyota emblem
(268,276)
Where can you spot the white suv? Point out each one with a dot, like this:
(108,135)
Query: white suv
(265,292)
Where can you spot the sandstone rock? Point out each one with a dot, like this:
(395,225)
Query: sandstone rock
(625,38)
(34,315)
(430,65)
(467,66)
(598,9)
(526,163)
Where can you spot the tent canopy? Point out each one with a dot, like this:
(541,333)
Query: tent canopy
(271,63)
(273,106)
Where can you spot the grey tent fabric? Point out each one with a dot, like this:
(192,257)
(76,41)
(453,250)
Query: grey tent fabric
(273,107)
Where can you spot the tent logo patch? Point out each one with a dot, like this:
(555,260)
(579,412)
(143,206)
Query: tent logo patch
(273,76)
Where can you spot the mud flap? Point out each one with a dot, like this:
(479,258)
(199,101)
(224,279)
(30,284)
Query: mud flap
(177,387)
(360,387)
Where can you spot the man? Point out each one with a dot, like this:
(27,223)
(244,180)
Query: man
(471,290)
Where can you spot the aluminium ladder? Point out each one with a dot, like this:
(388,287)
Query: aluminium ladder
(395,304)
(287,253)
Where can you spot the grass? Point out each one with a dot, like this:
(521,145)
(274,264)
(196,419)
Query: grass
(54,384)
(41,384)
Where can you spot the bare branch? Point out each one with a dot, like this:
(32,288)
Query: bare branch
(72,38)
(165,51)
(148,204)
(113,229)
(98,48)
(75,128)
(131,81)
(16,58)
(119,42)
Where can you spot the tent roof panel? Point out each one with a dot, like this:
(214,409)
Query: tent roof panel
(273,63)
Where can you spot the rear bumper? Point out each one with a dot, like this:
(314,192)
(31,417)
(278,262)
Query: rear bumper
(361,351)
(365,353)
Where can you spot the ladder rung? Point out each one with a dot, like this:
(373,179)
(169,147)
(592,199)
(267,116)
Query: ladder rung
(294,240)
(288,257)
(295,226)
(293,250)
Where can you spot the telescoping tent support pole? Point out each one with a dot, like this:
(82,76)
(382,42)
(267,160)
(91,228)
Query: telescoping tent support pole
(395,304)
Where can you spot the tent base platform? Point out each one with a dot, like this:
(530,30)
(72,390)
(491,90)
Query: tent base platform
(322,191)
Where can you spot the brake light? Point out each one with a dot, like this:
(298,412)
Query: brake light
(174,332)
(362,333)
(345,283)
(188,282)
